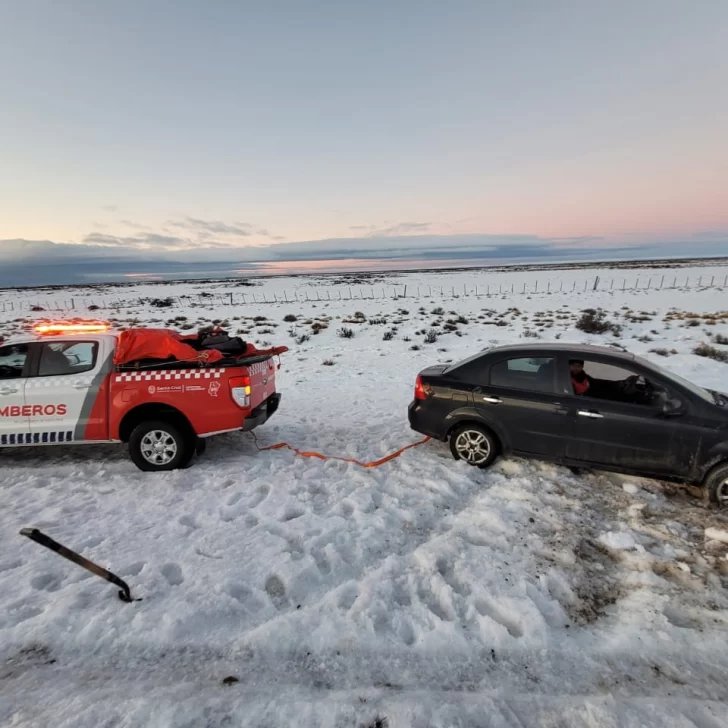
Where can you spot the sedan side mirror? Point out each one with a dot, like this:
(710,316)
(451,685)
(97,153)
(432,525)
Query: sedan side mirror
(672,408)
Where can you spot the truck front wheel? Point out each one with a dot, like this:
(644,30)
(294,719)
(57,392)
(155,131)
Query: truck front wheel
(159,445)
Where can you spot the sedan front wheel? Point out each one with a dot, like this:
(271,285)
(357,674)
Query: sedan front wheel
(473,444)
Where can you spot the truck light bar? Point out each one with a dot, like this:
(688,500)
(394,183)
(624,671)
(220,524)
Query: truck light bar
(89,327)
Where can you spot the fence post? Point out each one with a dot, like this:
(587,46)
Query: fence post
(586,283)
(535,286)
(231,298)
(649,283)
(712,279)
(548,286)
(596,283)
(637,283)
(662,280)
(700,281)
(573,287)
(561,285)
(611,283)
(524,286)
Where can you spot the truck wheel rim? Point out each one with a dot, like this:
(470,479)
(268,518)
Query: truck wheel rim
(472,446)
(158,447)
(722,493)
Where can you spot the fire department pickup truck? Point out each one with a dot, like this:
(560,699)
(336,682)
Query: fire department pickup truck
(154,389)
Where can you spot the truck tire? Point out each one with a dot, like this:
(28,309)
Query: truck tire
(717,484)
(159,445)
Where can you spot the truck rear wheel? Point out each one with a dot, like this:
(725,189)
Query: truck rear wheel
(159,445)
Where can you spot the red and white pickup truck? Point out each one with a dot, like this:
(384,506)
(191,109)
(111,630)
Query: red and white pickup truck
(81,384)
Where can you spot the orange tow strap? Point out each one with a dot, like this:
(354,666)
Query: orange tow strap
(318,455)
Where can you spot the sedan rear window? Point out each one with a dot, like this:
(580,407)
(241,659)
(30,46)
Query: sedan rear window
(531,374)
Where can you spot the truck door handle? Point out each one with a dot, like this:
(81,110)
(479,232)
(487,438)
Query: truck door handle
(8,390)
(492,400)
(590,413)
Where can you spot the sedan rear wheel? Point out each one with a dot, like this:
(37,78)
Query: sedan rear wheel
(717,484)
(473,444)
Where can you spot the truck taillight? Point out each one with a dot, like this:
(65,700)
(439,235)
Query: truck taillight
(419,389)
(240,390)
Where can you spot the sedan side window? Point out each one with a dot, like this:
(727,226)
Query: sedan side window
(613,383)
(531,374)
(12,361)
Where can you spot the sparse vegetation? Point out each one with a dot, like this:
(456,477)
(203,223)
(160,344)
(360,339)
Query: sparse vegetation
(345,333)
(461,320)
(594,321)
(431,336)
(290,318)
(645,339)
(388,335)
(439,311)
(663,352)
(302,339)
(159,302)
(720,339)
(711,352)
(329,362)
(414,347)
(407,338)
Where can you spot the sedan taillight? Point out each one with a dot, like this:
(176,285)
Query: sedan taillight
(419,389)
(240,390)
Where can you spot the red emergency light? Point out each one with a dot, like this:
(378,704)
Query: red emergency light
(87,327)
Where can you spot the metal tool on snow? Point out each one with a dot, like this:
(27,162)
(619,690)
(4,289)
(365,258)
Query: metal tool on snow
(39,537)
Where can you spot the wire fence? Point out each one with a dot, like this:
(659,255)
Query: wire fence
(89,304)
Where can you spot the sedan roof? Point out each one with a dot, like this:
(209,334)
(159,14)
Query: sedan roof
(585,349)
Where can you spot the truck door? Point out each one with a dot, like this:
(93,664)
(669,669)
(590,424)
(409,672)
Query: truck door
(14,420)
(69,378)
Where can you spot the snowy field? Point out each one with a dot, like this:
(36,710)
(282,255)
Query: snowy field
(423,591)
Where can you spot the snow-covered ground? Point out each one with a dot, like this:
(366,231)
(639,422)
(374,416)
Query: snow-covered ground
(424,592)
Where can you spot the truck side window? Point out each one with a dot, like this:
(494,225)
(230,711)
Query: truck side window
(59,358)
(12,361)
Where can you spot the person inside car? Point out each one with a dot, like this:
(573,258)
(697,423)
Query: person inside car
(580,380)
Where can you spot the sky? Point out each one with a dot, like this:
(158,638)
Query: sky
(169,136)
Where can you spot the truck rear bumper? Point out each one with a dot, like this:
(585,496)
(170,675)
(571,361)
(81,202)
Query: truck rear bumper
(262,413)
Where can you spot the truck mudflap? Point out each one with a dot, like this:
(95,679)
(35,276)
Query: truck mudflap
(263,412)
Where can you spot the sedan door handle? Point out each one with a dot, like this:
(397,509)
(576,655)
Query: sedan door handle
(492,400)
(80,385)
(8,390)
(590,413)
